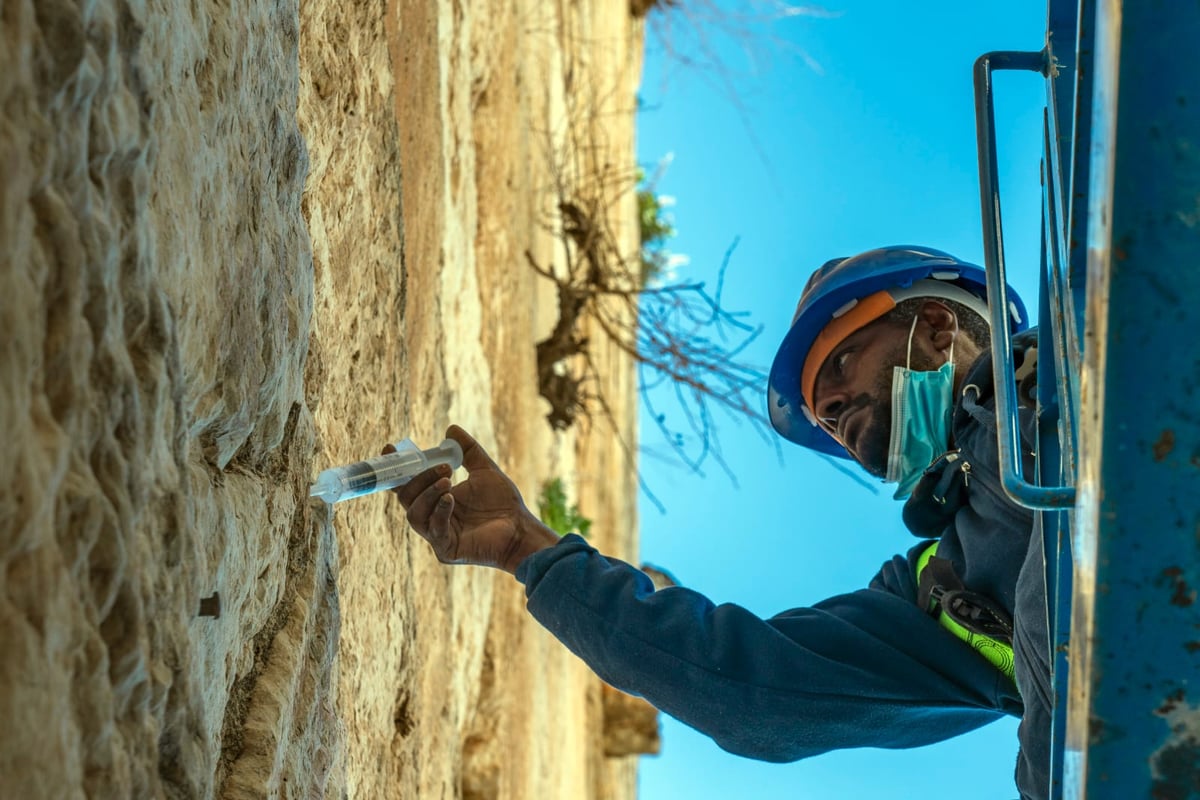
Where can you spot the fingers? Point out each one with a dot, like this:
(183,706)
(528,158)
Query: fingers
(474,456)
(409,492)
(421,511)
(438,534)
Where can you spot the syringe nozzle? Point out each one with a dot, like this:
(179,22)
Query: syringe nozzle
(327,487)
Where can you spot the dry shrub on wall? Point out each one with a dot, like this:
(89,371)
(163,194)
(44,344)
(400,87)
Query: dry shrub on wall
(678,335)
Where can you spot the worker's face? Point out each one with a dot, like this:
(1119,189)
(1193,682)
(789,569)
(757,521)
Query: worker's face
(853,391)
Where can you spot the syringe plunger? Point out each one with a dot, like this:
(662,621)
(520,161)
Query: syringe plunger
(384,472)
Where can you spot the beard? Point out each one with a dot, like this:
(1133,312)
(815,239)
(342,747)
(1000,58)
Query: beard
(871,449)
(874,443)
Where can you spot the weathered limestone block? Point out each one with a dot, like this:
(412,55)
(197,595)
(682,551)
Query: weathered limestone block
(155,293)
(177,361)
(630,724)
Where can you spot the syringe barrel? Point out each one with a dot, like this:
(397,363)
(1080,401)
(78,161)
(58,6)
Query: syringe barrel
(448,452)
(384,472)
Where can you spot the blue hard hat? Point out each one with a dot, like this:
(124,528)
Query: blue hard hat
(835,288)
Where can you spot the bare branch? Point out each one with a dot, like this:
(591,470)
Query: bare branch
(678,334)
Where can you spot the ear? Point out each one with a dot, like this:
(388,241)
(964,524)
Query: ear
(942,321)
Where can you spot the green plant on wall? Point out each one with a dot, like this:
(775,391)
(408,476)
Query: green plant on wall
(554,511)
(656,228)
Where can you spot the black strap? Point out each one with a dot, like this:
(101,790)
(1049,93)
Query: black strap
(938,496)
(940,589)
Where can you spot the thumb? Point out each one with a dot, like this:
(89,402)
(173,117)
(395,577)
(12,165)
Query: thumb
(474,456)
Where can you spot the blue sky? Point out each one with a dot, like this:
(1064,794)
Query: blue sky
(874,146)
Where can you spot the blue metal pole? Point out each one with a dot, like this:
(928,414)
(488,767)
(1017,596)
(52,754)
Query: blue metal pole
(1134,712)
(1070,37)
(1068,84)
(1056,541)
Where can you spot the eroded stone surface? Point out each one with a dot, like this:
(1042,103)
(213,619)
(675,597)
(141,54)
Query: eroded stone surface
(179,361)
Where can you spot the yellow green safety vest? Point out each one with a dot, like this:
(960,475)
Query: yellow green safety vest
(998,653)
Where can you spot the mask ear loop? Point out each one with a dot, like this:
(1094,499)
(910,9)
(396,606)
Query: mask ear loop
(908,357)
(912,330)
(957,330)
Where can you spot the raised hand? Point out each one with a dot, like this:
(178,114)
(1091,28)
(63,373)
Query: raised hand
(482,520)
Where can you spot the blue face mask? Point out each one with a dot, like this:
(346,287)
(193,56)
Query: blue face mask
(921,407)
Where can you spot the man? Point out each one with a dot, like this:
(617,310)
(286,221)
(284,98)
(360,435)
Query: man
(885,363)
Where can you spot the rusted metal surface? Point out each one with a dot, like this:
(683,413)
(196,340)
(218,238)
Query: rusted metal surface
(1175,766)
(1134,708)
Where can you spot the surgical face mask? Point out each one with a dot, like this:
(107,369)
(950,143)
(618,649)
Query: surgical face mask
(921,406)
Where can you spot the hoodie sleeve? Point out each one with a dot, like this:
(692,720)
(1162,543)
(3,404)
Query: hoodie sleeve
(856,670)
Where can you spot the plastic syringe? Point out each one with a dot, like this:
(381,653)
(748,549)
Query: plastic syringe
(384,472)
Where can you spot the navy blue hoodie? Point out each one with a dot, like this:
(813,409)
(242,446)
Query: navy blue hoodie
(864,669)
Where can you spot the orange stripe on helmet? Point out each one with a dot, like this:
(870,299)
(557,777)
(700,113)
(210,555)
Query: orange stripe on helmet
(864,312)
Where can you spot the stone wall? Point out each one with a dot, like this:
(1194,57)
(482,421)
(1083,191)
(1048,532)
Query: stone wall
(243,241)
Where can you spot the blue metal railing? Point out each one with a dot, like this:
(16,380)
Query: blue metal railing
(1055,463)
(1014,483)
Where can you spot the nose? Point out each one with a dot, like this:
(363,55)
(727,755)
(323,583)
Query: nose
(829,407)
